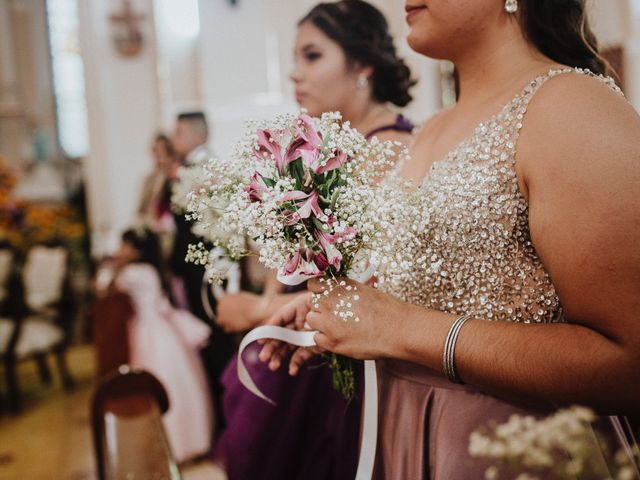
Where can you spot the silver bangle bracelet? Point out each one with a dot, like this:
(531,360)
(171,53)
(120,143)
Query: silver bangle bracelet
(448,361)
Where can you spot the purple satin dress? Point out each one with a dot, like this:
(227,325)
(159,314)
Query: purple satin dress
(311,434)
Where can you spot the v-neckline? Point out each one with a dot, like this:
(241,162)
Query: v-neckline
(553,71)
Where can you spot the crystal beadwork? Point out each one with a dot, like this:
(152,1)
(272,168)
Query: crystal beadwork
(473,250)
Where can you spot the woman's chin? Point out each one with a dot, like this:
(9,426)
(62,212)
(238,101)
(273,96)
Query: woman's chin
(417,42)
(426,46)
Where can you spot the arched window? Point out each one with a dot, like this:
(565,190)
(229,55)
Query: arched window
(68,77)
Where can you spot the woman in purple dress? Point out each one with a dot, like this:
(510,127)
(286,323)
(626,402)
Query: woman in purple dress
(345,61)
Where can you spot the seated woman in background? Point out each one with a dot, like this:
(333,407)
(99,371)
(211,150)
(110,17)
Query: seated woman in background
(165,341)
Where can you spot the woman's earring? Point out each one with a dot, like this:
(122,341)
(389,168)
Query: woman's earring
(511,6)
(363,81)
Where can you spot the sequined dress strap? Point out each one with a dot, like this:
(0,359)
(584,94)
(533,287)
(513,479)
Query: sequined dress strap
(522,100)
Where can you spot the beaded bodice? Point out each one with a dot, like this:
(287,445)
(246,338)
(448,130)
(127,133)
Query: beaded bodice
(473,251)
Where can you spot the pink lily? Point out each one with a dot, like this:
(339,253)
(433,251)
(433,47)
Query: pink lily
(304,210)
(307,145)
(304,265)
(309,133)
(270,150)
(256,188)
(294,195)
(328,240)
(337,161)
(299,149)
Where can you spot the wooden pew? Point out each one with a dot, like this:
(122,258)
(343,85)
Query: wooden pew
(129,437)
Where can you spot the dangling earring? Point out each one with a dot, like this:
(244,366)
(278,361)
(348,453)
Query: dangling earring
(511,6)
(363,81)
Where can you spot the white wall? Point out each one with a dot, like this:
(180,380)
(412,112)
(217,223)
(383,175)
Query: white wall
(177,33)
(617,24)
(123,109)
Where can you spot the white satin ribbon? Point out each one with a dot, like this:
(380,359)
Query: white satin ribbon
(370,408)
(232,272)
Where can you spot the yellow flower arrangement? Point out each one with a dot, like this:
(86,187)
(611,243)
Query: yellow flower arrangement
(24,224)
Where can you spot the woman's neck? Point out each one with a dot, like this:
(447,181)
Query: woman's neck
(367,116)
(496,63)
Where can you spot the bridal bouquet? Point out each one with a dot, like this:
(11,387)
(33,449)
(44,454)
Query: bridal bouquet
(306,191)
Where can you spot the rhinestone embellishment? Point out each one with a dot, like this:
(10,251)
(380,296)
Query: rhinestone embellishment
(511,6)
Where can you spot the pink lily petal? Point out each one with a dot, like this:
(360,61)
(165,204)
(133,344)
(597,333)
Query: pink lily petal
(308,131)
(256,188)
(310,158)
(333,163)
(294,195)
(301,148)
(304,265)
(269,150)
(310,206)
(326,241)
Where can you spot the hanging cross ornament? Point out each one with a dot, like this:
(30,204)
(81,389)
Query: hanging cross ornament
(126,33)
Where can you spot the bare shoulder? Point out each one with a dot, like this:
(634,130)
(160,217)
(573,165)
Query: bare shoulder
(577,122)
(579,156)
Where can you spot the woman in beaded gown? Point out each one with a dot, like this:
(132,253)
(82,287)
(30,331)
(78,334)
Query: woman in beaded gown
(528,198)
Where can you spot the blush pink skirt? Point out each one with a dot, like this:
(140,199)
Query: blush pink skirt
(425,423)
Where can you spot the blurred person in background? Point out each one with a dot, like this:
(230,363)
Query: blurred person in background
(190,138)
(154,211)
(163,340)
(189,141)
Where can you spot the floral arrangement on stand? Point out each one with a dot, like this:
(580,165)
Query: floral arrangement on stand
(25,224)
(306,191)
(562,446)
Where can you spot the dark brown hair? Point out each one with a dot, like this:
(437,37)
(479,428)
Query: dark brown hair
(363,34)
(560,30)
(166,143)
(147,244)
(197,121)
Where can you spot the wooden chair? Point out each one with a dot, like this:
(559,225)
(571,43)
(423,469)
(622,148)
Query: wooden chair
(128,434)
(110,315)
(7,269)
(39,318)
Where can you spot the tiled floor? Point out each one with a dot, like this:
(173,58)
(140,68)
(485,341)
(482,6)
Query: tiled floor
(51,438)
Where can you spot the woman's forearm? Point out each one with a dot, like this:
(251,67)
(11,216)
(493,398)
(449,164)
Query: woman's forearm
(538,364)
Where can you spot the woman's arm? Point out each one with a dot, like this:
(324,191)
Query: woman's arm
(579,163)
(243,311)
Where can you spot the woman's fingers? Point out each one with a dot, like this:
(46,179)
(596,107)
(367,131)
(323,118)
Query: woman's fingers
(270,346)
(323,341)
(299,358)
(276,360)
(314,320)
(301,313)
